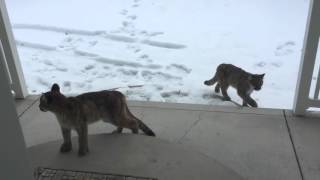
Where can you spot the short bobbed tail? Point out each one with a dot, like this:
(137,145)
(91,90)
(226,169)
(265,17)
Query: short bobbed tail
(145,128)
(141,125)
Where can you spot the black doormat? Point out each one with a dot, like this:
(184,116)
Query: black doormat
(61,174)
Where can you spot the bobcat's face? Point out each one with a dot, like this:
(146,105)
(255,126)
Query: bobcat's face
(46,102)
(50,100)
(257,81)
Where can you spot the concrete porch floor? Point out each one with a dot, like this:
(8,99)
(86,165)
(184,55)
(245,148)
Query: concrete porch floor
(255,143)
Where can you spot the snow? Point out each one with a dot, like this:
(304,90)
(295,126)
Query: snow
(159,50)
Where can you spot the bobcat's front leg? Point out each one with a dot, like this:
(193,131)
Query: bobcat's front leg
(251,102)
(83,139)
(247,99)
(67,145)
(224,89)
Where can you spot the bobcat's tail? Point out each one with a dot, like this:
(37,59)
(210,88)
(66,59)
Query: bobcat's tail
(141,125)
(212,81)
(145,128)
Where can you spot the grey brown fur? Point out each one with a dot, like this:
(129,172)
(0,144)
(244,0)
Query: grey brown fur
(79,111)
(244,82)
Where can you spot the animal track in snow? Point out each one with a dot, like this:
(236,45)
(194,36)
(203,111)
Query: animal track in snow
(62,69)
(106,67)
(43,82)
(124,12)
(115,62)
(35,45)
(276,64)
(126,24)
(150,34)
(67,85)
(94,72)
(180,67)
(120,38)
(137,50)
(55,66)
(89,67)
(148,75)
(132,17)
(174,93)
(163,44)
(144,56)
(285,49)
(57,29)
(84,53)
(47,62)
(80,85)
(128,72)
(93,43)
(261,64)
(158,87)
(69,42)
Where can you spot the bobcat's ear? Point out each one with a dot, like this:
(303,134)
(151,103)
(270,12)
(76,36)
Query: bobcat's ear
(262,75)
(55,88)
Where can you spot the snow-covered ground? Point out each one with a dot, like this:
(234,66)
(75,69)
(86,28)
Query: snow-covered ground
(159,50)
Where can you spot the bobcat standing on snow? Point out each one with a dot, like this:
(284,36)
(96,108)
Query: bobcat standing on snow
(79,111)
(244,82)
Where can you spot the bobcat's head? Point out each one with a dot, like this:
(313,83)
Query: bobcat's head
(50,100)
(256,81)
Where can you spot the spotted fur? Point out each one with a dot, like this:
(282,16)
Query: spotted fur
(79,111)
(229,75)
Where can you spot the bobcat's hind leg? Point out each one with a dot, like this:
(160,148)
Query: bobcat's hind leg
(135,130)
(224,88)
(133,125)
(217,88)
(66,146)
(82,131)
(247,99)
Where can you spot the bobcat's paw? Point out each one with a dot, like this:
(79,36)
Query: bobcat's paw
(245,105)
(83,152)
(116,132)
(254,105)
(226,99)
(65,147)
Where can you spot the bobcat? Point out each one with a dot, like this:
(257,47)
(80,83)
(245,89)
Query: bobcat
(244,82)
(79,111)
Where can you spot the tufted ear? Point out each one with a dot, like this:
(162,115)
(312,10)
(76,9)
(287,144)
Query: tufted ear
(55,88)
(262,75)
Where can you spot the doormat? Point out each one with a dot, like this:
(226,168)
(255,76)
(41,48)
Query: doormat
(61,174)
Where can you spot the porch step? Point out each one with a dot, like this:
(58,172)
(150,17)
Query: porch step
(137,155)
(62,174)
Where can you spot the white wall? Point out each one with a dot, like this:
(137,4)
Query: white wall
(13,160)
